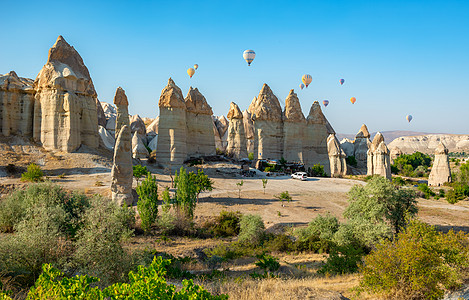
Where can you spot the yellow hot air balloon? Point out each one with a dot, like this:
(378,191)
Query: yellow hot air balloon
(196,66)
(306,79)
(190,72)
(353,100)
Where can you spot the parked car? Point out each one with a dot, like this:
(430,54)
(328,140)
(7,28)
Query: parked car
(300,175)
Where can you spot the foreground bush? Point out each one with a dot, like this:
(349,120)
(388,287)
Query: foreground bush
(33,173)
(147,204)
(146,283)
(225,225)
(323,227)
(420,263)
(251,229)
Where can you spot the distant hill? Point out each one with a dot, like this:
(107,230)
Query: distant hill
(389,136)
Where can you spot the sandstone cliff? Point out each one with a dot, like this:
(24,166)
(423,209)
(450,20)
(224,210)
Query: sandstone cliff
(16,105)
(315,139)
(336,157)
(441,171)
(248,131)
(172,130)
(65,111)
(236,137)
(200,138)
(361,145)
(294,125)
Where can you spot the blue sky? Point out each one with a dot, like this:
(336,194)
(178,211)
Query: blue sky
(397,57)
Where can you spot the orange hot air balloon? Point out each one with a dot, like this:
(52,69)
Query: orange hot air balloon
(306,79)
(190,72)
(353,100)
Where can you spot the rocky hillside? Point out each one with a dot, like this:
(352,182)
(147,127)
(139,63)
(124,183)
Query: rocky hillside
(388,135)
(428,143)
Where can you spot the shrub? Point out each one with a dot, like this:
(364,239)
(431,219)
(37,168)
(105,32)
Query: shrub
(201,181)
(420,171)
(317,171)
(351,160)
(323,227)
(147,204)
(280,243)
(240,185)
(427,192)
(226,224)
(407,163)
(264,183)
(139,171)
(342,260)
(251,156)
(284,196)
(33,174)
(98,247)
(420,263)
(313,244)
(186,194)
(251,229)
(398,181)
(268,263)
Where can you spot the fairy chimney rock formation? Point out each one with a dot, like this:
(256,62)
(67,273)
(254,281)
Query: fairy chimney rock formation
(268,125)
(236,136)
(248,131)
(172,130)
(122,110)
(16,105)
(378,159)
(200,138)
(361,145)
(441,171)
(122,171)
(315,139)
(336,157)
(294,124)
(138,147)
(65,111)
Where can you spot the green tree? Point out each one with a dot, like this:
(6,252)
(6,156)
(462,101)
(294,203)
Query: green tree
(264,184)
(284,196)
(202,182)
(147,204)
(251,229)
(185,198)
(240,185)
(139,172)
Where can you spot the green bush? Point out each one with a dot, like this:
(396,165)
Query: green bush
(226,224)
(420,263)
(33,174)
(313,244)
(398,181)
(323,227)
(233,250)
(268,263)
(251,229)
(342,260)
(251,156)
(317,171)
(284,196)
(147,204)
(427,192)
(407,163)
(351,160)
(139,171)
(280,243)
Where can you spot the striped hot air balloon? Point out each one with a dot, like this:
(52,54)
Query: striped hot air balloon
(302,86)
(353,100)
(306,79)
(249,56)
(342,81)
(325,102)
(190,72)
(409,118)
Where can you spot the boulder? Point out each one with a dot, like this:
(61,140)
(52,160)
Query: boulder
(336,157)
(378,159)
(268,125)
(172,129)
(200,138)
(111,124)
(248,131)
(109,110)
(139,150)
(441,171)
(137,125)
(153,143)
(347,146)
(294,124)
(122,169)
(236,138)
(16,105)
(65,111)
(361,145)
(107,138)
(315,139)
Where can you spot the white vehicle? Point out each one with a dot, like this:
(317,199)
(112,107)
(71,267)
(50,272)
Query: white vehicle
(300,176)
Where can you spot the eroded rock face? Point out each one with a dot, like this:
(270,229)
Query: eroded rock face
(101,116)
(428,143)
(236,137)
(378,159)
(122,170)
(107,138)
(137,125)
(200,139)
(65,111)
(139,150)
(347,146)
(294,125)
(361,145)
(315,139)
(248,131)
(122,110)
(16,105)
(395,153)
(152,128)
(172,129)
(336,157)
(268,125)
(153,143)
(441,171)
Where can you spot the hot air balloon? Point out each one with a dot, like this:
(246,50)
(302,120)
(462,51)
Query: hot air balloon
(302,86)
(342,81)
(325,102)
(196,66)
(306,79)
(409,118)
(190,72)
(249,56)
(353,100)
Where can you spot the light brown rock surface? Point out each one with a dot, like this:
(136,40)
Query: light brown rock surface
(108,139)
(336,157)
(428,143)
(378,159)
(294,125)
(101,116)
(122,170)
(236,137)
(268,125)
(395,153)
(172,130)
(122,110)
(152,128)
(137,125)
(248,131)
(441,171)
(361,146)
(139,150)
(347,146)
(315,139)
(65,111)
(200,138)
(16,105)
